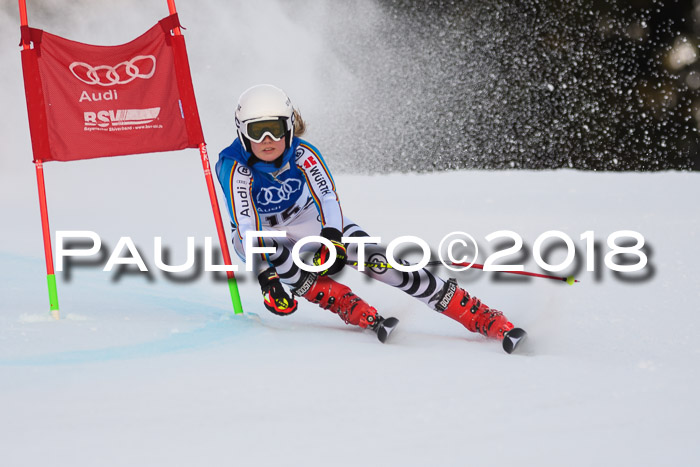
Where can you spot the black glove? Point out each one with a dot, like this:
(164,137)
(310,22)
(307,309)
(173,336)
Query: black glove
(275,297)
(322,255)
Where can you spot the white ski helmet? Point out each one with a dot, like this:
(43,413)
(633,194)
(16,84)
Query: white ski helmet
(260,106)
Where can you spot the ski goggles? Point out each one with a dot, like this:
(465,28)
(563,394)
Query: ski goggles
(257,130)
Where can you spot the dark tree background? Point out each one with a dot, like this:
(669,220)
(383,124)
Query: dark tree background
(440,84)
(585,84)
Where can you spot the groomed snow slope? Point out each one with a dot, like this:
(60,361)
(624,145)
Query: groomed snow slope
(141,372)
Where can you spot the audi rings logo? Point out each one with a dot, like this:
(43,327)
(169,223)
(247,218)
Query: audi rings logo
(141,66)
(275,195)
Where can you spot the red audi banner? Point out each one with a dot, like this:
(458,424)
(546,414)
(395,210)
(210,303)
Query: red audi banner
(86,101)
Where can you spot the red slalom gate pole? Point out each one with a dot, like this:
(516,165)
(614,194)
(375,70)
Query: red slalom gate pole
(48,253)
(23,15)
(173,10)
(43,207)
(232,284)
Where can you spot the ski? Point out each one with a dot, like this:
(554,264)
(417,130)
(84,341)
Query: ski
(384,327)
(513,338)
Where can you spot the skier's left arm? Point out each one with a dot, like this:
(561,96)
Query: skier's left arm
(322,189)
(321,185)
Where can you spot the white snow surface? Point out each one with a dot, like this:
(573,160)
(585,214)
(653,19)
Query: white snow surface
(141,370)
(158,373)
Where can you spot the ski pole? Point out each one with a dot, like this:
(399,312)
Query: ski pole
(569,280)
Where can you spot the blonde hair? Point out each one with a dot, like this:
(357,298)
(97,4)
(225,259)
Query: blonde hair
(299,124)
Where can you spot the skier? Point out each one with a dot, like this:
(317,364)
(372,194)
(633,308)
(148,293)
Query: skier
(273,180)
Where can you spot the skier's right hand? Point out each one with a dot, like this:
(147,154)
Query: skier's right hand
(275,296)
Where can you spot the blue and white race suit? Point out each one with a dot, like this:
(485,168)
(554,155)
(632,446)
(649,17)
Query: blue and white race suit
(298,197)
(264,197)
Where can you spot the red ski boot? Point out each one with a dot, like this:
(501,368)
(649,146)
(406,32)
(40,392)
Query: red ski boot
(456,303)
(338,298)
